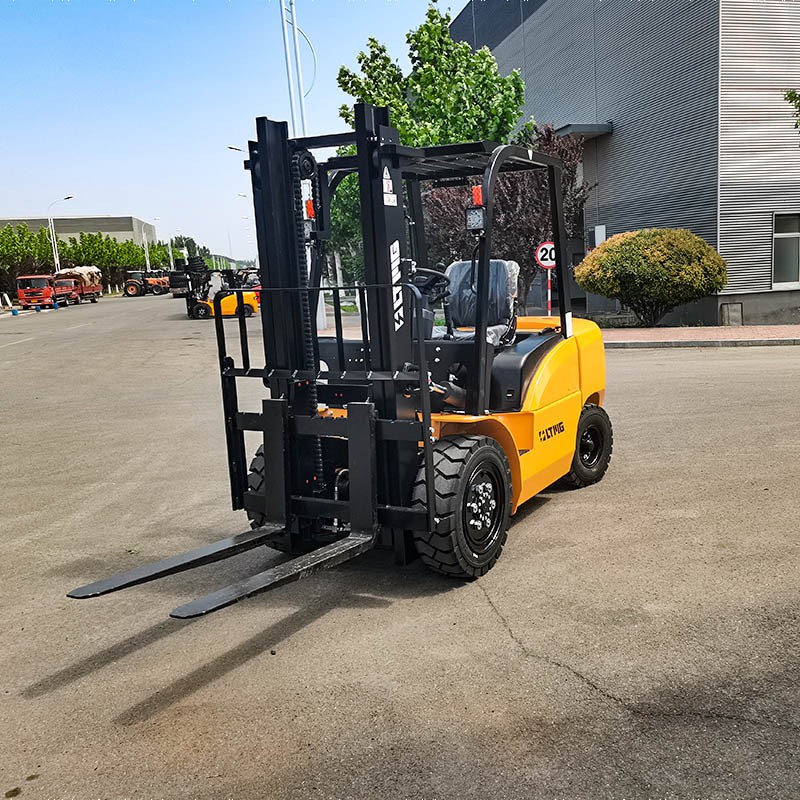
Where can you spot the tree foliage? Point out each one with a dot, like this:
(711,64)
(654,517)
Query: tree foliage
(652,271)
(522,207)
(793,98)
(346,228)
(451,94)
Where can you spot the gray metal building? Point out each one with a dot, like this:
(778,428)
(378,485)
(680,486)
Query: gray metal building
(681,106)
(119,228)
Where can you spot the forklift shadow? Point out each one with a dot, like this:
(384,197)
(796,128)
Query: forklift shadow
(373,581)
(254,647)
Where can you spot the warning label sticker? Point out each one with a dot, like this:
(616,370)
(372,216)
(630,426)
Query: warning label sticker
(388,186)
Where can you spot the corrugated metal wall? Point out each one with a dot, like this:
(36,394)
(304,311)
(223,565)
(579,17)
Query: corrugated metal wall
(759,147)
(651,68)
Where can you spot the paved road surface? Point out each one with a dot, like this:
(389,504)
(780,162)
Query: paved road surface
(637,639)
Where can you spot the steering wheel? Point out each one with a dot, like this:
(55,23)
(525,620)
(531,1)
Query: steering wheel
(432,283)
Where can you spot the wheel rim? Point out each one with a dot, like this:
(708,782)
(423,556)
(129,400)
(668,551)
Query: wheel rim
(591,446)
(482,508)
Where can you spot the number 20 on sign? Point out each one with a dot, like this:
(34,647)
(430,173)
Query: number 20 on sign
(546,259)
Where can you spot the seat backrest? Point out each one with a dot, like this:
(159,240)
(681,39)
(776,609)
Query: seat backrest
(503,277)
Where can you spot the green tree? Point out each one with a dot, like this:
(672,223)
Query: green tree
(652,271)
(793,98)
(159,254)
(451,94)
(522,207)
(131,255)
(345,239)
(179,242)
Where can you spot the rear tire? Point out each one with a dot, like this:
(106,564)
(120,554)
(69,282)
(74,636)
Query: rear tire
(200,311)
(94,298)
(472,484)
(593,446)
(132,290)
(248,311)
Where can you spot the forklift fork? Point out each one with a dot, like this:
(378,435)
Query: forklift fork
(330,555)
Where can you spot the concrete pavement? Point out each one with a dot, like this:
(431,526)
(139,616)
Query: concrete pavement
(637,639)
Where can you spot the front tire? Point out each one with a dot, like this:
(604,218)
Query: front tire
(472,486)
(255,483)
(593,446)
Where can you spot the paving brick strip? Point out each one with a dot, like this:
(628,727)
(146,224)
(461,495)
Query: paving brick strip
(744,336)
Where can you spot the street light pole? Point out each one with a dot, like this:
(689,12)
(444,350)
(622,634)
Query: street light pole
(289,80)
(146,250)
(169,248)
(300,95)
(52,229)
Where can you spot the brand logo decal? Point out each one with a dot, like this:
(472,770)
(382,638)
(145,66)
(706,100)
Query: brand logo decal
(549,433)
(397,291)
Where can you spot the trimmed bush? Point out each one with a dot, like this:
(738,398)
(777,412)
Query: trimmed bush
(652,271)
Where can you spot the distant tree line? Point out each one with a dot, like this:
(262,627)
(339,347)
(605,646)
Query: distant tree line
(22,251)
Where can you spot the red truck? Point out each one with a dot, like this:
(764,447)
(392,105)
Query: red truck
(73,285)
(41,290)
(85,283)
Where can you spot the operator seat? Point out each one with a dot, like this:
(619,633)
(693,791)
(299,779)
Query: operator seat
(503,279)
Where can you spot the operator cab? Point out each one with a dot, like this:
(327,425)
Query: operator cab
(513,355)
(461,302)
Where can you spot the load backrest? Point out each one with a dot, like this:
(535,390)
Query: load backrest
(503,278)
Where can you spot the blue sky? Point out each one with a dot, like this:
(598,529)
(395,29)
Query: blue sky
(129,105)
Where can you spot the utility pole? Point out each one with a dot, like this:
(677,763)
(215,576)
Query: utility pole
(289,79)
(146,251)
(51,226)
(300,95)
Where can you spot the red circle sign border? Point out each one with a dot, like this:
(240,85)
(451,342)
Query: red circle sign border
(539,261)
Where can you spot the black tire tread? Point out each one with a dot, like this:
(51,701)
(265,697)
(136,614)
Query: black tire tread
(572,480)
(255,482)
(439,551)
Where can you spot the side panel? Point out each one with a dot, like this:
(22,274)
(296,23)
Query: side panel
(558,376)
(555,433)
(591,362)
(540,440)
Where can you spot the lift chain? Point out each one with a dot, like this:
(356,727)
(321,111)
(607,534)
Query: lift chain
(305,305)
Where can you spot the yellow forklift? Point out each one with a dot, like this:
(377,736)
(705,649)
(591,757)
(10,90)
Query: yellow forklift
(405,434)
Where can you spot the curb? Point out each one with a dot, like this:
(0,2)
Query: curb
(701,343)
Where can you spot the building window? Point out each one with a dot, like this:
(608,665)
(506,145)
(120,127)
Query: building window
(786,251)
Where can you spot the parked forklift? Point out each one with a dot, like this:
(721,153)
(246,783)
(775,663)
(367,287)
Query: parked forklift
(419,437)
(205,285)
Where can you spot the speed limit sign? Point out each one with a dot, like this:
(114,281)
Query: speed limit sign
(546,258)
(546,255)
